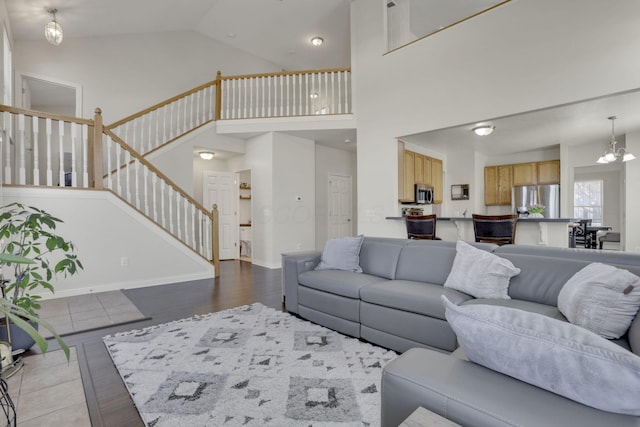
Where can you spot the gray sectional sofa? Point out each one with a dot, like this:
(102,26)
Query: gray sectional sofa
(396,303)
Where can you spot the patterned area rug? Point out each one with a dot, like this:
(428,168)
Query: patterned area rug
(249,366)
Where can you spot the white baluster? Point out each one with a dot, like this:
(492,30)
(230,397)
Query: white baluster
(333,95)
(109,169)
(136,177)
(346,92)
(268,96)
(74,139)
(118,170)
(339,93)
(21,144)
(154,202)
(127,174)
(244,97)
(162,210)
(314,90)
(233,99)
(193,216)
(179,224)
(48,131)
(85,156)
(171,108)
(281,95)
(61,182)
(326,92)
(149,131)
(36,146)
(262,86)
(250,102)
(212,102)
(6,138)
(307,95)
(145,190)
(170,209)
(187,236)
(288,101)
(190,99)
(300,94)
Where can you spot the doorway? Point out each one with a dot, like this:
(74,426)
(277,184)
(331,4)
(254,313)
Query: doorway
(221,188)
(340,218)
(51,96)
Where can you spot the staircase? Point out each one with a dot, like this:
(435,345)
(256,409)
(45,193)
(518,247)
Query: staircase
(50,150)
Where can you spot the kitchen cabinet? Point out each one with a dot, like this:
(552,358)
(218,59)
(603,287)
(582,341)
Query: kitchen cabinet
(548,172)
(498,181)
(525,174)
(415,168)
(436,180)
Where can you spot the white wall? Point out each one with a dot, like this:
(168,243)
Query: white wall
(125,74)
(338,162)
(632,179)
(496,64)
(104,229)
(294,195)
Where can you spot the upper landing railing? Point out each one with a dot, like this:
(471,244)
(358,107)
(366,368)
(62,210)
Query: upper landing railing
(286,94)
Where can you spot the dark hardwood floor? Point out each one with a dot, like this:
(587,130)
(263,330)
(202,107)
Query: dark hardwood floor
(239,283)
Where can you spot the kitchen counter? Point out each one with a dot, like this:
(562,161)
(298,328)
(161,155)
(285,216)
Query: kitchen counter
(530,231)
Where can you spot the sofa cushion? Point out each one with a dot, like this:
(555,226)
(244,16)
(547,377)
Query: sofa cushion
(430,263)
(560,357)
(601,298)
(480,273)
(415,297)
(344,283)
(533,307)
(380,258)
(341,254)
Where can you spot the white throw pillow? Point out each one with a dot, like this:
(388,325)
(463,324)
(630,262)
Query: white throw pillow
(549,353)
(342,254)
(601,298)
(479,273)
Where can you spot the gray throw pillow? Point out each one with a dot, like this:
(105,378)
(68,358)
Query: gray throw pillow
(341,254)
(601,298)
(479,273)
(549,353)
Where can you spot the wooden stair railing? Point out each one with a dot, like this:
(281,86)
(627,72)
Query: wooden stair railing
(50,150)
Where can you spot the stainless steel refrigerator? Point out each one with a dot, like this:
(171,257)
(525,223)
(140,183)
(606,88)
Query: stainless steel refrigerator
(523,196)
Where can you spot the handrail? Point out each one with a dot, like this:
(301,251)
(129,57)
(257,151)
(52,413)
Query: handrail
(161,104)
(157,171)
(285,73)
(34,113)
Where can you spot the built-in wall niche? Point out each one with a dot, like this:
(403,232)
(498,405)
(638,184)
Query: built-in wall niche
(460,192)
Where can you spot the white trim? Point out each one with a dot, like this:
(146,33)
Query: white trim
(76,86)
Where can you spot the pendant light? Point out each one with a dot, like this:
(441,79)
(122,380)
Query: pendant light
(612,154)
(53,30)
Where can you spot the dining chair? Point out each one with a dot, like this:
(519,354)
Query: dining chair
(580,236)
(499,229)
(421,227)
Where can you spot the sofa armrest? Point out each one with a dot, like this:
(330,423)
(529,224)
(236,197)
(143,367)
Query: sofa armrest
(293,264)
(472,395)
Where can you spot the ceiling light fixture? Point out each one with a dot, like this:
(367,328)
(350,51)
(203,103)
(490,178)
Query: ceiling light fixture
(612,154)
(53,30)
(483,130)
(207,155)
(313,95)
(317,41)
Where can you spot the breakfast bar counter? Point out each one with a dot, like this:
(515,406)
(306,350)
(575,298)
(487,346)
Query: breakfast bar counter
(530,231)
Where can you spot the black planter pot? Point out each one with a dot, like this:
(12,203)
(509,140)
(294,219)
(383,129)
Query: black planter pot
(20,340)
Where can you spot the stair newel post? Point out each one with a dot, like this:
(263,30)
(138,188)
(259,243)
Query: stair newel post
(96,151)
(218,94)
(215,242)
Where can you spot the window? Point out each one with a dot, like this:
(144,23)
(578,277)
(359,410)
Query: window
(587,200)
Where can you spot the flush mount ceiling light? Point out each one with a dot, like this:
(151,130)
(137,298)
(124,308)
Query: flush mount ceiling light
(313,95)
(612,154)
(483,130)
(207,155)
(53,30)
(317,41)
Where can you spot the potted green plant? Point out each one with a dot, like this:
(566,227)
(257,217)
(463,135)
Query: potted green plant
(32,255)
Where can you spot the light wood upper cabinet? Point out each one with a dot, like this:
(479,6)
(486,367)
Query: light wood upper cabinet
(436,180)
(548,172)
(409,176)
(419,168)
(498,181)
(416,168)
(525,174)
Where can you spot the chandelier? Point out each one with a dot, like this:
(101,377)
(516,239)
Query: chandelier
(612,154)
(53,30)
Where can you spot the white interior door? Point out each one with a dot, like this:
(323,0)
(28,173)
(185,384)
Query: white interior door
(220,188)
(340,206)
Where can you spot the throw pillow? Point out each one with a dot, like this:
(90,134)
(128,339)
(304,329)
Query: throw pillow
(549,353)
(479,273)
(341,254)
(601,298)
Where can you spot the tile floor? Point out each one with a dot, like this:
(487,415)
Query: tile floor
(48,391)
(85,312)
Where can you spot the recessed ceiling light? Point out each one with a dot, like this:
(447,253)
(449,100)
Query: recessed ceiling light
(483,130)
(347,141)
(207,155)
(317,41)
(231,35)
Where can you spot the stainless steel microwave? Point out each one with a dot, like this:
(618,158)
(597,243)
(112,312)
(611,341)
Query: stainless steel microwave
(424,194)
